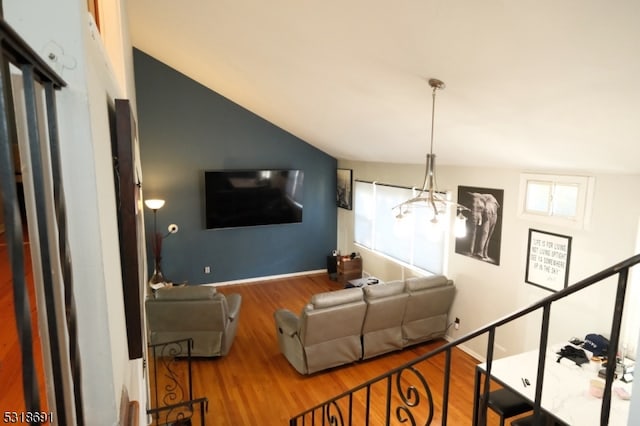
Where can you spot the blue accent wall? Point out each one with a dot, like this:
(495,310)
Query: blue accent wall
(185,129)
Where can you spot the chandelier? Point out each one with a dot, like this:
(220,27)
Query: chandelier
(429,196)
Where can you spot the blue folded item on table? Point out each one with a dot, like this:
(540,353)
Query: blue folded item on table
(596,344)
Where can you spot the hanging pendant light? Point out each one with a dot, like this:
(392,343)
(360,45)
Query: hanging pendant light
(429,196)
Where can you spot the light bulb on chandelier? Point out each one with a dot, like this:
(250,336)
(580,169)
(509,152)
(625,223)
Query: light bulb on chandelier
(460,226)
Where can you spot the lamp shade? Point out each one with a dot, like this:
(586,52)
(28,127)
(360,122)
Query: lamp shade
(154,204)
(460,227)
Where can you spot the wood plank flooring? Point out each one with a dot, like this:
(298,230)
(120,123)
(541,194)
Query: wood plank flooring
(255,385)
(12,393)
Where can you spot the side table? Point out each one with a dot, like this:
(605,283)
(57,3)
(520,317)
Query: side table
(349,269)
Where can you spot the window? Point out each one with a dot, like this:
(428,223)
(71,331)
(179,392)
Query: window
(413,241)
(555,199)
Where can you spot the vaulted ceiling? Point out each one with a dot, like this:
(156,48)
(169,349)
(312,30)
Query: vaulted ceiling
(530,84)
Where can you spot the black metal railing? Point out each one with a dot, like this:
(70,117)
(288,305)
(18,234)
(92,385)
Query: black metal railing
(172,390)
(411,401)
(38,81)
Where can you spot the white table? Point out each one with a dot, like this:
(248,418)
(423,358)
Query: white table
(565,391)
(360,282)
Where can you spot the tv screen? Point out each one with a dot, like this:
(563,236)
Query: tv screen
(236,198)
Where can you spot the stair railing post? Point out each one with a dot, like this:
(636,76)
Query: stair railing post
(614,341)
(542,357)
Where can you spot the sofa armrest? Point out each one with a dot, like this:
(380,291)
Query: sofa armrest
(287,322)
(233,303)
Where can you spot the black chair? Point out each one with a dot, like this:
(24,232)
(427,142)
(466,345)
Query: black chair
(523,421)
(529,421)
(507,403)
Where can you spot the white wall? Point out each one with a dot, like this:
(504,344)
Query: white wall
(487,292)
(634,412)
(64,28)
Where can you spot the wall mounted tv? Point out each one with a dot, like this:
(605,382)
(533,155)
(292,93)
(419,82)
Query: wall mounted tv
(235,198)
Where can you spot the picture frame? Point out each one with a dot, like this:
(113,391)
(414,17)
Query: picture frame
(344,195)
(548,259)
(127,172)
(483,227)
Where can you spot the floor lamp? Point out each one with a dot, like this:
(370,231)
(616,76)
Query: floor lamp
(157,276)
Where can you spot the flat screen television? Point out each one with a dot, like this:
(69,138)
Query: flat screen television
(235,198)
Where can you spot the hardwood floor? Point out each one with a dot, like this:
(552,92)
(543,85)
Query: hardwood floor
(12,396)
(255,385)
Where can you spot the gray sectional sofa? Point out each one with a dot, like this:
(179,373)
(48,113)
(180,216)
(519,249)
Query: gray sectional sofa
(344,326)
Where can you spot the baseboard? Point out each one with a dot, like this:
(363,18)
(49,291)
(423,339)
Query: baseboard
(466,349)
(267,278)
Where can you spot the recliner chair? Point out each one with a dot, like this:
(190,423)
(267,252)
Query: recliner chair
(327,332)
(198,312)
(432,295)
(382,328)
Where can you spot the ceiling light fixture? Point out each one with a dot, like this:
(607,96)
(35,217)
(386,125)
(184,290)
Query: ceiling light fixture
(429,195)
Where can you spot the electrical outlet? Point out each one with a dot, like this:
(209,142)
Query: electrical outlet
(207,269)
(456,323)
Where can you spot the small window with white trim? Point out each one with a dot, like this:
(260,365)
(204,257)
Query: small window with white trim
(555,199)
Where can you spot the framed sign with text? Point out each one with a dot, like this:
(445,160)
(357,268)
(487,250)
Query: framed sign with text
(548,258)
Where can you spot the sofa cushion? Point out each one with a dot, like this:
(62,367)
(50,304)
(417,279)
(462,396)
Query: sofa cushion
(338,297)
(384,290)
(423,283)
(189,292)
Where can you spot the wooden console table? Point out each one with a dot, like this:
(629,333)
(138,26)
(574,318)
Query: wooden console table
(349,269)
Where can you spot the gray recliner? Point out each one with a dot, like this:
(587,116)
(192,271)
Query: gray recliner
(197,312)
(425,317)
(327,332)
(382,328)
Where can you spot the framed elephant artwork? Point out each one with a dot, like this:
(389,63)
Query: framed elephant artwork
(484,223)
